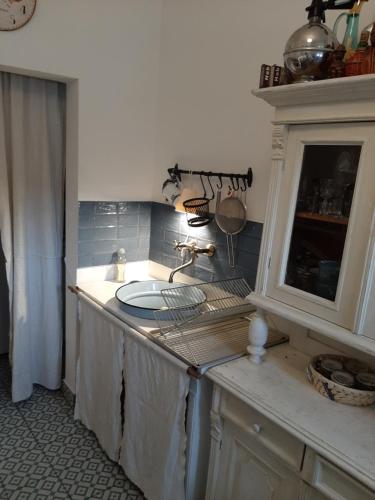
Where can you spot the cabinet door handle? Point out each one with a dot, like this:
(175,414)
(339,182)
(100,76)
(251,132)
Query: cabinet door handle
(256,428)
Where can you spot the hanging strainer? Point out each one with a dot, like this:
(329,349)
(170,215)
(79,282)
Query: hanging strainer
(198,209)
(230,216)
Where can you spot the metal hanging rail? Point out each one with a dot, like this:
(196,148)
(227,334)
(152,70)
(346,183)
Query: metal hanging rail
(247,178)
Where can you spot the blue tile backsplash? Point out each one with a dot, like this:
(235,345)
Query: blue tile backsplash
(104,227)
(168,225)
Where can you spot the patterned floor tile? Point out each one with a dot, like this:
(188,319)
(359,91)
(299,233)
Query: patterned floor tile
(11,422)
(30,475)
(46,454)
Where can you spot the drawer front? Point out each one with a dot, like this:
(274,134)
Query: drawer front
(273,437)
(331,481)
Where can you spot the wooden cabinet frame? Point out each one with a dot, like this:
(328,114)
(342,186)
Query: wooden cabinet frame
(331,106)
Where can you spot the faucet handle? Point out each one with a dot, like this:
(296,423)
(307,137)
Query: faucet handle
(190,245)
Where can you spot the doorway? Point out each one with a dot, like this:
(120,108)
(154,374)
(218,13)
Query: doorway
(33,145)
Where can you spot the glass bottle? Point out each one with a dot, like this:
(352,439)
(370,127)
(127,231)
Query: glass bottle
(337,68)
(120,265)
(357,62)
(370,52)
(351,38)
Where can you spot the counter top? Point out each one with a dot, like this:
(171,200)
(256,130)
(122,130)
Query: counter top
(97,284)
(279,389)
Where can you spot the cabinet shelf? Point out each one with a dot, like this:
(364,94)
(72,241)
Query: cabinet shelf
(333,90)
(323,218)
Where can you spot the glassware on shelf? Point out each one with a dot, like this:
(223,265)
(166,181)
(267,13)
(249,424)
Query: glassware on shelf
(327,190)
(313,197)
(336,206)
(325,193)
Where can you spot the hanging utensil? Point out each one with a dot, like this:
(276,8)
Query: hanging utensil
(230,216)
(197,209)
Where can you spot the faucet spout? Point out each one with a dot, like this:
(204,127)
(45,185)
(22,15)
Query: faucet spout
(194,250)
(179,268)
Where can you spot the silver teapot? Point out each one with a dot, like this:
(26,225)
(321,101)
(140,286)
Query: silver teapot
(309,52)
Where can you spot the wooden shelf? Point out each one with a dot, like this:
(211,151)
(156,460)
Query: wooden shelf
(349,88)
(343,221)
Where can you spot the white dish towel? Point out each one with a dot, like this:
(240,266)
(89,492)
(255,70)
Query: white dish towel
(154,440)
(99,376)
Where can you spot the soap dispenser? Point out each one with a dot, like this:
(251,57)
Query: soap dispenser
(120,265)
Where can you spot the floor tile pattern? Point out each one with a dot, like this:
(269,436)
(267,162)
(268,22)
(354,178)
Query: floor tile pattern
(46,454)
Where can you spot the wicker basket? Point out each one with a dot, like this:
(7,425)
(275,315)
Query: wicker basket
(334,391)
(197,211)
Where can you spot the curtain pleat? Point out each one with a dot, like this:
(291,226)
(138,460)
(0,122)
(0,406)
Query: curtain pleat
(32,142)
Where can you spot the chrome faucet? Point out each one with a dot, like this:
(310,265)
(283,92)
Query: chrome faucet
(191,247)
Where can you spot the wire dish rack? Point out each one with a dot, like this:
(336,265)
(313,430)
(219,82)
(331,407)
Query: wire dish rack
(203,303)
(211,326)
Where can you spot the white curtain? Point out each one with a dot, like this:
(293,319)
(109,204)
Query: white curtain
(32,159)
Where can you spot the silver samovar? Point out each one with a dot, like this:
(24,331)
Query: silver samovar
(309,51)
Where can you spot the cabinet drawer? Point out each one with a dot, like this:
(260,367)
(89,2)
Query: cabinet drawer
(273,437)
(333,482)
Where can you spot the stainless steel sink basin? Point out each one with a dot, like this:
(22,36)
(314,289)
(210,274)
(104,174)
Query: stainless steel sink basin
(142,298)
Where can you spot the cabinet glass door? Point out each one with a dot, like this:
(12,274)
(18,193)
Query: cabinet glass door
(324,199)
(323,209)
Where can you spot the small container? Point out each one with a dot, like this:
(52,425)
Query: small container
(120,265)
(328,366)
(354,366)
(366,381)
(343,378)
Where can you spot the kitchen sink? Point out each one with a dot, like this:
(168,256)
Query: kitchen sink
(142,298)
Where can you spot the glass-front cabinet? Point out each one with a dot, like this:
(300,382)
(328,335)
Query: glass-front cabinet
(317,258)
(321,217)
(324,212)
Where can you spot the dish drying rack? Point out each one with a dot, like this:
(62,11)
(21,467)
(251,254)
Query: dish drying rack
(204,333)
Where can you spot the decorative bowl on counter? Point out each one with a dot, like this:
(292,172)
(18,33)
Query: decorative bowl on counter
(335,385)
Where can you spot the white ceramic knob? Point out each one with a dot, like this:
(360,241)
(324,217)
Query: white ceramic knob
(258,334)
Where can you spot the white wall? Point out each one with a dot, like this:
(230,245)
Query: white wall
(211,53)
(112,47)
(193,62)
(109,51)
(156,82)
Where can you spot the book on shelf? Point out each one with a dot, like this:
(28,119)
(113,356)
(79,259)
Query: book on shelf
(265,75)
(270,76)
